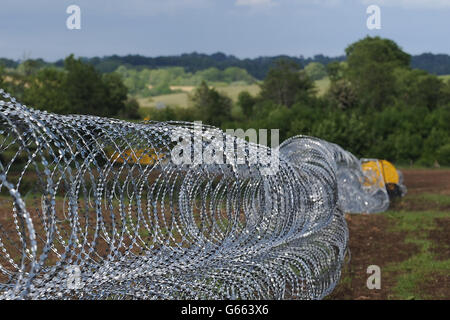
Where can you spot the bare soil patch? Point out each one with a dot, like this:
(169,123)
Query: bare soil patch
(437,286)
(409,204)
(371,244)
(441,239)
(427,181)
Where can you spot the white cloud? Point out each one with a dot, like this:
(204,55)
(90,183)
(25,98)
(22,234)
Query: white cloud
(255,3)
(410,3)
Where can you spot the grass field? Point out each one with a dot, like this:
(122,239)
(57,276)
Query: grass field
(182,98)
(179,99)
(410,243)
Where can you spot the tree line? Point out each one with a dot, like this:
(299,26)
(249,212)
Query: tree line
(377,106)
(258,68)
(76,88)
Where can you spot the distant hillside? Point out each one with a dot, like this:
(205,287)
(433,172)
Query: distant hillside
(193,62)
(433,63)
(8,63)
(258,67)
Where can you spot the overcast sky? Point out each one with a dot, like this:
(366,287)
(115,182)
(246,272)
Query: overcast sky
(245,28)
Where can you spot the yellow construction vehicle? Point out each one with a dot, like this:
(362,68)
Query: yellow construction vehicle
(141,156)
(383,173)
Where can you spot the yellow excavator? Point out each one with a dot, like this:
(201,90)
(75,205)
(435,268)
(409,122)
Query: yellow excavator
(141,156)
(385,174)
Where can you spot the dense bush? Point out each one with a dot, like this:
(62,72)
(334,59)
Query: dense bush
(443,155)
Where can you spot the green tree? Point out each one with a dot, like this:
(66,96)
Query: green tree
(160,88)
(435,140)
(407,146)
(2,76)
(371,65)
(342,94)
(29,67)
(12,82)
(335,70)
(418,88)
(316,71)
(286,83)
(211,74)
(116,93)
(86,90)
(443,155)
(246,101)
(46,91)
(130,110)
(234,74)
(445,93)
(213,107)
(78,89)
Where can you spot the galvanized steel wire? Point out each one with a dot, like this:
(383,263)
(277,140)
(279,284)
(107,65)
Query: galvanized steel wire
(97,208)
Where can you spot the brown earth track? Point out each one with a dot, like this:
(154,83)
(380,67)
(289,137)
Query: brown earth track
(441,239)
(436,286)
(371,244)
(427,181)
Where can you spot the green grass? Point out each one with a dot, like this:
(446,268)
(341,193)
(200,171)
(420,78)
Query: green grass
(436,199)
(233,91)
(422,266)
(181,99)
(445,77)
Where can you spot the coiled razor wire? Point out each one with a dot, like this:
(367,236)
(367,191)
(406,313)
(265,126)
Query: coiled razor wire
(96,208)
(360,191)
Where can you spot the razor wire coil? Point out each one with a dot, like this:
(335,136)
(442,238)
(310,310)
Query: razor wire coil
(96,208)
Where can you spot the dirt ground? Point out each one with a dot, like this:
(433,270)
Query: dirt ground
(372,243)
(427,181)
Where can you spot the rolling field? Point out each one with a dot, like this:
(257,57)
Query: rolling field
(182,98)
(410,243)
